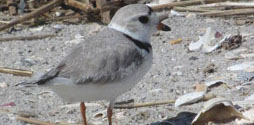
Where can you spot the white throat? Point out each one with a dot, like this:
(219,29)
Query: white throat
(138,36)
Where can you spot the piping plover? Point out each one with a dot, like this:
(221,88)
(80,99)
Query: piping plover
(108,64)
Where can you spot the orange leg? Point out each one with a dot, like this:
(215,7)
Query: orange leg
(83,112)
(109,113)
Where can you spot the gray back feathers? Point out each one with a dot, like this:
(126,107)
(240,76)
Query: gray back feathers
(108,56)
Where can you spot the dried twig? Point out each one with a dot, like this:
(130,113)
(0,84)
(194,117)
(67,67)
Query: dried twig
(16,72)
(4,111)
(228,12)
(184,3)
(32,120)
(143,104)
(229,5)
(37,122)
(5,22)
(27,37)
(33,14)
(176,41)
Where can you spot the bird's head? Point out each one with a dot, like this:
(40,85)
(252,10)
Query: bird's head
(138,21)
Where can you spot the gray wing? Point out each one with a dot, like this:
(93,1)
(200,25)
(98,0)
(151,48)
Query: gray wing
(107,56)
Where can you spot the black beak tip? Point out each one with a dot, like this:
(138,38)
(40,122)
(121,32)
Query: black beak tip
(166,28)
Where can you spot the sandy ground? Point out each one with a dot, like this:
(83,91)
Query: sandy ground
(174,72)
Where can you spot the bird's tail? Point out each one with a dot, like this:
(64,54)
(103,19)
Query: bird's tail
(39,78)
(34,79)
(27,83)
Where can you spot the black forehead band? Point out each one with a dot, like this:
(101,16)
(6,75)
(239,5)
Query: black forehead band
(150,10)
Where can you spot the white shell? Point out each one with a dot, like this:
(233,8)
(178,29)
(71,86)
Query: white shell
(235,54)
(245,66)
(207,113)
(211,83)
(3,85)
(251,97)
(189,98)
(205,42)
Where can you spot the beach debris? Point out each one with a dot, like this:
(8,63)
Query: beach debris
(12,6)
(146,104)
(3,85)
(245,66)
(175,13)
(182,118)
(236,54)
(200,87)
(217,110)
(16,72)
(232,42)
(58,27)
(213,40)
(100,114)
(243,76)
(249,98)
(210,68)
(176,41)
(31,37)
(193,58)
(212,84)
(189,98)
(8,104)
(28,61)
(159,2)
(249,114)
(208,42)
(36,29)
(247,55)
(78,38)
(27,114)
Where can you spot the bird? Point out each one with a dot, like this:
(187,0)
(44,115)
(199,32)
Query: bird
(108,64)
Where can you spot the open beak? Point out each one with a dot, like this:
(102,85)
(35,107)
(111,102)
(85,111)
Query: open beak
(162,26)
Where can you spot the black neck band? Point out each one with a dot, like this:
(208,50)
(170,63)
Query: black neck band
(141,45)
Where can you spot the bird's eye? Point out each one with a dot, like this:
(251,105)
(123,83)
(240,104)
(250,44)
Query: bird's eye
(143,19)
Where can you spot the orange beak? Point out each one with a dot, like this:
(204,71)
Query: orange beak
(162,26)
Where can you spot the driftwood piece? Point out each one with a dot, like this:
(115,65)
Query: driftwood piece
(27,37)
(190,9)
(33,14)
(108,8)
(81,6)
(184,3)
(16,72)
(12,7)
(105,15)
(228,12)
(229,5)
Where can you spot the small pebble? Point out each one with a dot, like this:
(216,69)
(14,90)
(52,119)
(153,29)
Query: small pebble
(3,85)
